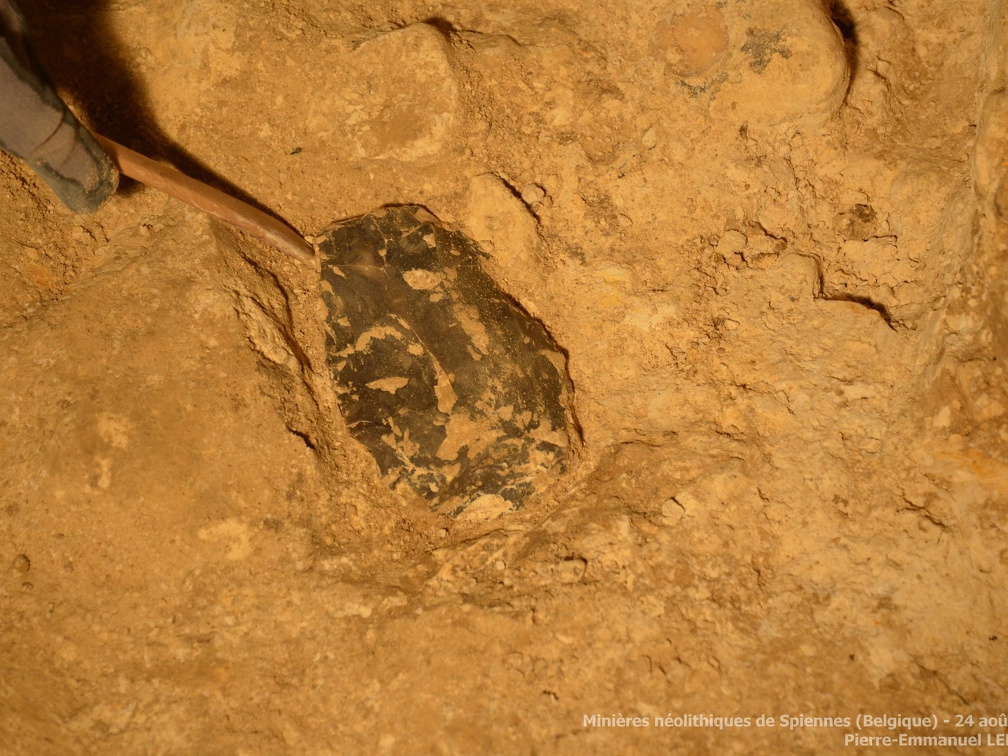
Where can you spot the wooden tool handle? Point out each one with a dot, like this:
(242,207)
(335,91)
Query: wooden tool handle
(239,214)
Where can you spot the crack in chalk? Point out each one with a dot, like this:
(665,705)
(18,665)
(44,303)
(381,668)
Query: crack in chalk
(864,301)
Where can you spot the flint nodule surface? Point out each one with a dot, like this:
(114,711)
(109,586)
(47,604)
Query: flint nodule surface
(456,391)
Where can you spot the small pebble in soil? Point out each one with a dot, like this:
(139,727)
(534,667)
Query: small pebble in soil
(532,194)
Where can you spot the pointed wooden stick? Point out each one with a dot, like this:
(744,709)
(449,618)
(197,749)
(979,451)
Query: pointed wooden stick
(239,214)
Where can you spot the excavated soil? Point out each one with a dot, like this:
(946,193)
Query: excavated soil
(771,236)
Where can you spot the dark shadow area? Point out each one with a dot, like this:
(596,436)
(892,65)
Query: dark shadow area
(93,68)
(442,26)
(844,21)
(866,302)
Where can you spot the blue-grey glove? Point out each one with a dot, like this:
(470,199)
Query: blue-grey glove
(37,126)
